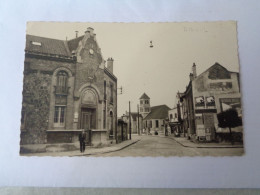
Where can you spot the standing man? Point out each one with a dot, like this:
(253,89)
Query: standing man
(82,138)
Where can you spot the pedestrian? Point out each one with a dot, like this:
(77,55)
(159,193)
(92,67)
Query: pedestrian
(82,139)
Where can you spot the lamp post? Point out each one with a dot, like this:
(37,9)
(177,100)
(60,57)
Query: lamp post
(130,121)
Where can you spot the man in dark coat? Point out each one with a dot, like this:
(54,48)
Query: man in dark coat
(82,139)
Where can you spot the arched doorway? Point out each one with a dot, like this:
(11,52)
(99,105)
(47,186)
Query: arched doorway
(88,110)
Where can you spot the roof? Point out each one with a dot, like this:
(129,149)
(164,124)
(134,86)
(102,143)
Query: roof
(74,43)
(214,66)
(144,96)
(158,112)
(47,45)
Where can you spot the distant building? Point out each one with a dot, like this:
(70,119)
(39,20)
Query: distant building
(67,87)
(212,92)
(135,128)
(175,115)
(154,117)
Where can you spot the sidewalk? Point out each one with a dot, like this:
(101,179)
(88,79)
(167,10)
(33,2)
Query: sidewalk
(187,143)
(89,150)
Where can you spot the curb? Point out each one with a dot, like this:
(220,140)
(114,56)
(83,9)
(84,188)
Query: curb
(205,146)
(109,151)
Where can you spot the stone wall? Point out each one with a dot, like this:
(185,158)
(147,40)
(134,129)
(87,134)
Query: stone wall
(37,89)
(36,100)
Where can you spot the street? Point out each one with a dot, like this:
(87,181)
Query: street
(164,146)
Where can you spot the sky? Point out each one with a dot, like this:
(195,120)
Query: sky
(160,71)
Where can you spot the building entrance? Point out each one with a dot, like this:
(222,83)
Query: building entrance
(88,118)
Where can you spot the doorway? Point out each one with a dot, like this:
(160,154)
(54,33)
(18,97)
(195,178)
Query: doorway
(88,118)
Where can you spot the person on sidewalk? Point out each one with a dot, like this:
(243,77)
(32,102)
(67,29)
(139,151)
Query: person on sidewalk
(82,139)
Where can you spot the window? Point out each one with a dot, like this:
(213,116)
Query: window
(141,109)
(146,101)
(59,116)
(157,123)
(105,90)
(62,78)
(141,101)
(170,116)
(111,93)
(146,109)
(36,43)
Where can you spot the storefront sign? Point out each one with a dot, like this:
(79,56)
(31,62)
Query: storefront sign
(228,103)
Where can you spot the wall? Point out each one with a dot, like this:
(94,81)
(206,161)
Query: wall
(37,87)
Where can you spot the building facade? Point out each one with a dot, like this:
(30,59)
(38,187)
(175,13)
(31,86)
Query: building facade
(67,87)
(175,115)
(213,91)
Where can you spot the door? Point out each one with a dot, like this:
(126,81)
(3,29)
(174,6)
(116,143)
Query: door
(88,118)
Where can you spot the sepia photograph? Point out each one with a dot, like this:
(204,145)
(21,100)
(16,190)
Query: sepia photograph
(131,89)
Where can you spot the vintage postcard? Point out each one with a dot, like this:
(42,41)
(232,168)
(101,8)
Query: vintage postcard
(131,89)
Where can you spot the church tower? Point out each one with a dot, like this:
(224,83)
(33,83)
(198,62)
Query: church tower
(144,105)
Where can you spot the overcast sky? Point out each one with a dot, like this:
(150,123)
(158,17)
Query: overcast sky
(160,71)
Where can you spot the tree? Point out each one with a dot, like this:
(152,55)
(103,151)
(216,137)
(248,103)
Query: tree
(229,119)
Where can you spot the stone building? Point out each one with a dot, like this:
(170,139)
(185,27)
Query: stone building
(68,86)
(213,91)
(153,117)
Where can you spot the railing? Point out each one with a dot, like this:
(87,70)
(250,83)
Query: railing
(61,90)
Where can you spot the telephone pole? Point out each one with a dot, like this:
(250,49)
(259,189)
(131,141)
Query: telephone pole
(130,121)
(138,119)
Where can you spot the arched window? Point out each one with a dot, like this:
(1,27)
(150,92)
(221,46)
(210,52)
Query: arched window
(62,79)
(171,116)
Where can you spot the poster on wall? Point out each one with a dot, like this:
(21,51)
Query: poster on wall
(210,102)
(200,102)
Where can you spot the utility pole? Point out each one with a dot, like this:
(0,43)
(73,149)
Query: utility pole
(138,119)
(130,121)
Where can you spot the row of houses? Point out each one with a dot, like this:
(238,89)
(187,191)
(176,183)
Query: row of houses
(195,112)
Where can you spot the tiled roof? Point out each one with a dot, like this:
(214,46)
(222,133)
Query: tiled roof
(144,96)
(47,45)
(158,112)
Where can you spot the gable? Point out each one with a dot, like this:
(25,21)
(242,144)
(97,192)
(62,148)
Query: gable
(218,72)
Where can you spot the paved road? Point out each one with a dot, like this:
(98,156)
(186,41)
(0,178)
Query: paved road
(163,146)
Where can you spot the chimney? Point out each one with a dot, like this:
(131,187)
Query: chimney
(76,33)
(90,31)
(194,70)
(110,64)
(191,77)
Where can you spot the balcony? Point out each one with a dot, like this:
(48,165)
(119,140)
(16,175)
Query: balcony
(61,90)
